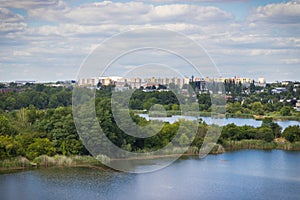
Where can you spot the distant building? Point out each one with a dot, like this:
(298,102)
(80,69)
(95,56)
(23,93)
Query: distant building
(278,90)
(296,85)
(166,81)
(200,85)
(297,107)
(261,80)
(121,82)
(285,83)
(135,82)
(219,80)
(207,79)
(242,80)
(23,82)
(88,81)
(93,82)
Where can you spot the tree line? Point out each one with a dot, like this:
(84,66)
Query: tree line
(38,95)
(32,131)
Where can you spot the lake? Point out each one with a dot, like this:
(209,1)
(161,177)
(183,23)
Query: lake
(247,174)
(208,120)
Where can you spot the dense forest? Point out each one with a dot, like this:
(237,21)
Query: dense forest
(37,120)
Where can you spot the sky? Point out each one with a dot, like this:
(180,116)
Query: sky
(48,40)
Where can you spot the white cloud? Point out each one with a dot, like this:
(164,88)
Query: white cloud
(21,53)
(291,61)
(189,13)
(267,52)
(64,34)
(280,13)
(200,1)
(28,4)
(11,21)
(108,12)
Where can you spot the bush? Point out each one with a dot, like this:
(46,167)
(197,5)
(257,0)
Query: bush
(292,133)
(41,146)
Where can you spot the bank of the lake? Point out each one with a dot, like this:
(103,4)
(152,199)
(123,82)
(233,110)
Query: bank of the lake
(278,144)
(22,163)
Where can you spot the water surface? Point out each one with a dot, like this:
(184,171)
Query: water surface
(247,174)
(208,120)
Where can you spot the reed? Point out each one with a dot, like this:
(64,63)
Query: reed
(18,162)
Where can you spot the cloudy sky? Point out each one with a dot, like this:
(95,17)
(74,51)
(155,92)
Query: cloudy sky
(47,40)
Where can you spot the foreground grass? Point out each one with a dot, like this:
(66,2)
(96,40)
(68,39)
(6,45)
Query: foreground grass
(22,163)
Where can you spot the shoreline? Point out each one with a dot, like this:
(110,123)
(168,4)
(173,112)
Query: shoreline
(42,162)
(92,163)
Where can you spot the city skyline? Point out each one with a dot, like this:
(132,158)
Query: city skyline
(48,40)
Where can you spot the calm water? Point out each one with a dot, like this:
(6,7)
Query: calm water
(237,121)
(248,174)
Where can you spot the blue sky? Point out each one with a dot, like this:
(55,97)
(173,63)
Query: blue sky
(48,40)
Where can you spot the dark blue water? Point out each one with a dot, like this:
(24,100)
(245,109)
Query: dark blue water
(248,174)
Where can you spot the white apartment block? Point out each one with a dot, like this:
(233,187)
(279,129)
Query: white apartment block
(138,82)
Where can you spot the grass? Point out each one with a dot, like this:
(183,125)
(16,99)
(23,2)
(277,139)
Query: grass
(15,163)
(260,144)
(44,161)
(66,161)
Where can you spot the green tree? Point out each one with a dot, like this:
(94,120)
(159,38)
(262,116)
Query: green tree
(149,102)
(41,146)
(175,107)
(252,87)
(257,108)
(72,147)
(32,114)
(292,133)
(266,134)
(10,103)
(229,131)
(5,126)
(285,111)
(8,147)
(276,129)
